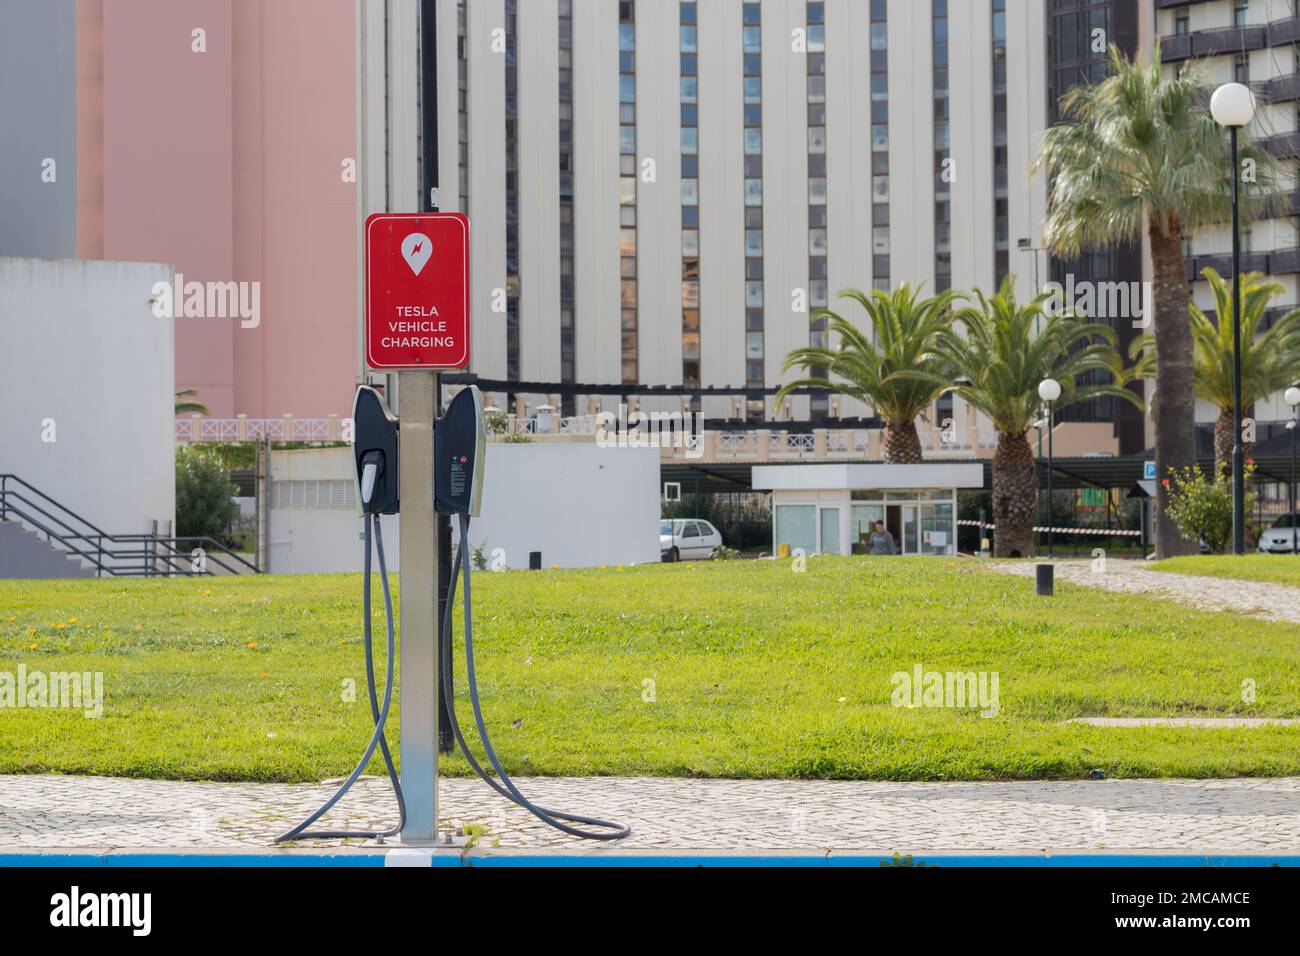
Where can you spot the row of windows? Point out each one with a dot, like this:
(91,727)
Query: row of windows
(512,189)
(818,298)
(1001,249)
(752,89)
(752,182)
(627,187)
(690,198)
(568,284)
(880,144)
(462,99)
(943,216)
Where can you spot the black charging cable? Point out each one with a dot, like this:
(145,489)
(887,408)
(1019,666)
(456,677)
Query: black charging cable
(507,788)
(378,713)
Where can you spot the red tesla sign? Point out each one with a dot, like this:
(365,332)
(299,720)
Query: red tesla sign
(417,290)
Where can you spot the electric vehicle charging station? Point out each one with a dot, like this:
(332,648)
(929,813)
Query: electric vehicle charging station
(418,325)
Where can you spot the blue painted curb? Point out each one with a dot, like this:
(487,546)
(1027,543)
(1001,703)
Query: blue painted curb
(372,859)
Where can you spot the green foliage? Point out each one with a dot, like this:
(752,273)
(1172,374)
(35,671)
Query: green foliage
(1202,508)
(1141,146)
(1270,358)
(887,365)
(744,520)
(1005,349)
(203,496)
(187,405)
(761,672)
(233,456)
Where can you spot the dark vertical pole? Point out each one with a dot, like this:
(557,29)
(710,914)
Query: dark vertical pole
(429,203)
(1295,424)
(1049,480)
(1238,453)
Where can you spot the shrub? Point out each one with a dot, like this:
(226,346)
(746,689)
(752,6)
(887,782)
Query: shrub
(1202,508)
(204,505)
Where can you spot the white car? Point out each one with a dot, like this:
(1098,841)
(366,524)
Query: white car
(683,539)
(1277,537)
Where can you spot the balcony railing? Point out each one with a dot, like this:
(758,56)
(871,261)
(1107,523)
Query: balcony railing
(1283,145)
(1282,89)
(1276,262)
(1237,39)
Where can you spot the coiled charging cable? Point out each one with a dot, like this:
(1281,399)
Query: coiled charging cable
(507,788)
(378,713)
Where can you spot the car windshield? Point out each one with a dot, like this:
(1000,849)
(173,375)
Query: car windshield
(1285,521)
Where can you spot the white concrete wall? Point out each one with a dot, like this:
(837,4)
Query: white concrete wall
(83,350)
(580,505)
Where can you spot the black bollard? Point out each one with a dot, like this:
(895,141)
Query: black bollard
(534,560)
(1046,577)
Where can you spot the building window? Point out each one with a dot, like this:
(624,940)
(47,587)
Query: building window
(1240,12)
(512,190)
(752,194)
(1001,250)
(627,186)
(818,336)
(462,98)
(942,206)
(690,193)
(568,266)
(1182,21)
(880,242)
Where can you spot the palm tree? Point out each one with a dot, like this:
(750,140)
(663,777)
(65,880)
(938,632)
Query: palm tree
(997,361)
(184,405)
(890,367)
(1270,361)
(1140,151)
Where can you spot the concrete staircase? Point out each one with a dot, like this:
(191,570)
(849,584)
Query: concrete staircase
(23,554)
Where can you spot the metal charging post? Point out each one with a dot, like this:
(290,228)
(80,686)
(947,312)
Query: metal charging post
(418,650)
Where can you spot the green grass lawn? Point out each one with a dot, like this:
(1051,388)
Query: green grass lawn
(1273,568)
(728,669)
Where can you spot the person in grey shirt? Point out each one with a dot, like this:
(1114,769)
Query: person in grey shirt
(882,542)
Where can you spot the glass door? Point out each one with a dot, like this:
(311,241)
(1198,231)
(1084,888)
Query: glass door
(938,533)
(830,530)
(909,541)
(864,518)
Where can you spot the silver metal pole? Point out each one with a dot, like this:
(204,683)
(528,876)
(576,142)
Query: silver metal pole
(418,646)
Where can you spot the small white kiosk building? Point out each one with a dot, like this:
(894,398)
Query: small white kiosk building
(832,508)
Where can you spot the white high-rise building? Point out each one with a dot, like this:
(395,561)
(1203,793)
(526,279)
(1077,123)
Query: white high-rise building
(662,193)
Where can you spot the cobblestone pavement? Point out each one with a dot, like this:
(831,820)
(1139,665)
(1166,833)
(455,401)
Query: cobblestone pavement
(1276,602)
(49,812)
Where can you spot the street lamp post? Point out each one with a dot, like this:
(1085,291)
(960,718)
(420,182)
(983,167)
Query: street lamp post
(1049,390)
(1233,106)
(1293,399)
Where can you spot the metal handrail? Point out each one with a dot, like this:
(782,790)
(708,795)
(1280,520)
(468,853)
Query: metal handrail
(101,556)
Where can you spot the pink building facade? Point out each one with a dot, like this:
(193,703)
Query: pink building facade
(220,136)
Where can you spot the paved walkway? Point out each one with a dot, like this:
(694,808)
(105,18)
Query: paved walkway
(1242,815)
(1276,602)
